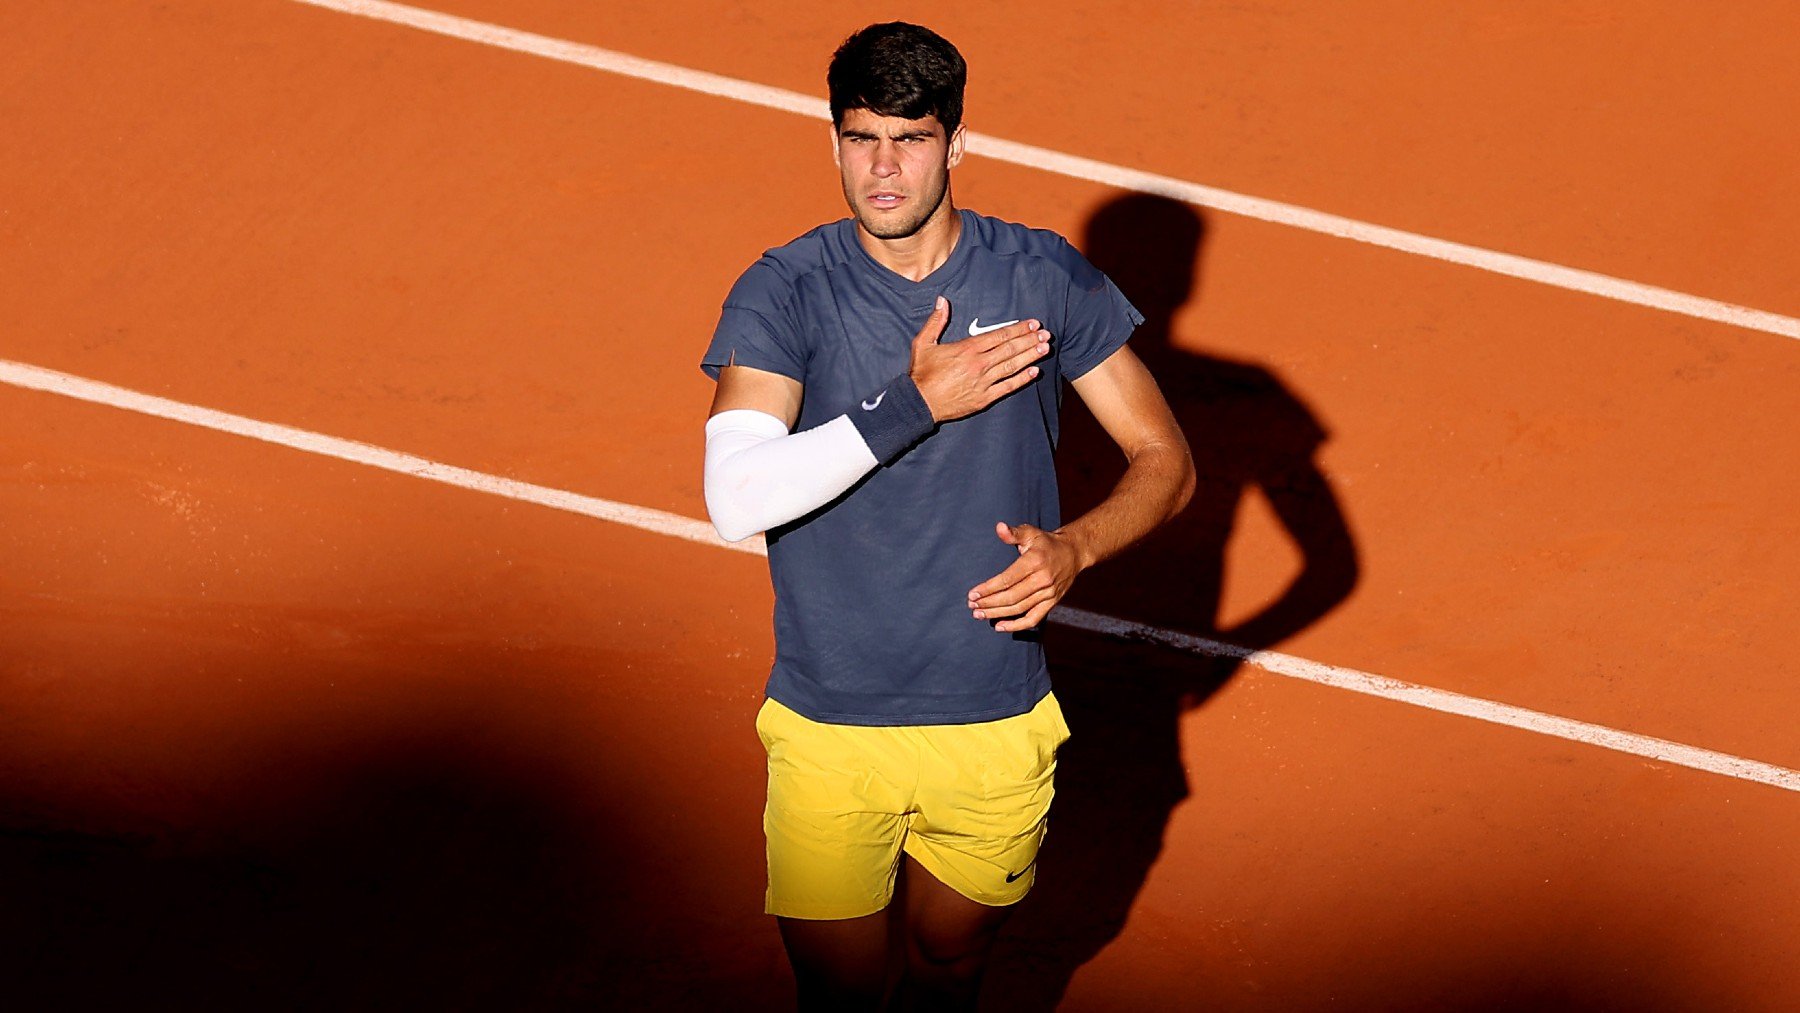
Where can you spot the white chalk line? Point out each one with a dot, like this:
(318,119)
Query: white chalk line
(1092,170)
(662,522)
(1369,684)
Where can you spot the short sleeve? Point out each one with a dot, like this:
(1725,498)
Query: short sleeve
(757,327)
(1097,319)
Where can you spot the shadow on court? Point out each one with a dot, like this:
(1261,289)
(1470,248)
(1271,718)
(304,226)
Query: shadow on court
(1121,775)
(452,844)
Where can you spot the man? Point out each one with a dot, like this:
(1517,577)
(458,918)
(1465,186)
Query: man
(886,409)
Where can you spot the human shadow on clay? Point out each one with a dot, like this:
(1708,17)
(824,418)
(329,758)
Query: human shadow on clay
(1121,775)
(453,853)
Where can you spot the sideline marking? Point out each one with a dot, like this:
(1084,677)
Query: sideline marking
(1044,159)
(1367,683)
(662,522)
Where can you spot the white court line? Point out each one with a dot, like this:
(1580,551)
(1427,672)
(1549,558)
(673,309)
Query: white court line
(1122,177)
(662,522)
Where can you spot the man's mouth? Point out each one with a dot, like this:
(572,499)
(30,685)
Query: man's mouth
(884,199)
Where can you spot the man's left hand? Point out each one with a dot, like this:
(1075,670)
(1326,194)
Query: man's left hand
(1031,587)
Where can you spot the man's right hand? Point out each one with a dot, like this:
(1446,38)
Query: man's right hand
(966,376)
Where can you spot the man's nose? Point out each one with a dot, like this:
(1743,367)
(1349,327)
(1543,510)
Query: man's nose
(887,160)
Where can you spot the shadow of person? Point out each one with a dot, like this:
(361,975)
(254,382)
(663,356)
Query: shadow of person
(1121,775)
(437,845)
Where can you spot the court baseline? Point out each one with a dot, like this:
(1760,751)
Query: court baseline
(29,377)
(1122,177)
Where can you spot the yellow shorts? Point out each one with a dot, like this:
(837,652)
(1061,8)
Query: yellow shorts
(969,802)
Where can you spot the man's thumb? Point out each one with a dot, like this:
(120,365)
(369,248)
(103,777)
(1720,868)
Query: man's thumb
(934,324)
(1006,533)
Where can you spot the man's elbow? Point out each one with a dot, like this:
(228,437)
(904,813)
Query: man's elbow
(735,532)
(730,516)
(733,523)
(1177,462)
(1184,492)
(731,531)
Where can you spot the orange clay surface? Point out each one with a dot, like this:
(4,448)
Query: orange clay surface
(284,732)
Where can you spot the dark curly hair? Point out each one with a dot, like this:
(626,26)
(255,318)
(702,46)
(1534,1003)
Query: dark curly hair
(898,69)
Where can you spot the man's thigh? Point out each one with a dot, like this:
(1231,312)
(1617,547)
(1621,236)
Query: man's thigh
(984,801)
(969,803)
(836,815)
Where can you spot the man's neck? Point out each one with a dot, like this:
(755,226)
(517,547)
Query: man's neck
(914,257)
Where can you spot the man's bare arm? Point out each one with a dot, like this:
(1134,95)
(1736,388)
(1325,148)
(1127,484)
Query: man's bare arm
(1157,484)
(741,387)
(1159,479)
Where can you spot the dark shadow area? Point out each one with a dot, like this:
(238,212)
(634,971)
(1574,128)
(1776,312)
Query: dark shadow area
(1121,775)
(430,853)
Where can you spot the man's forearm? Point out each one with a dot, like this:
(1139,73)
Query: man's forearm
(1157,485)
(759,475)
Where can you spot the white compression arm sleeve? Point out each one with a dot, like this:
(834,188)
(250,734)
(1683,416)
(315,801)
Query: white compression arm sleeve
(759,475)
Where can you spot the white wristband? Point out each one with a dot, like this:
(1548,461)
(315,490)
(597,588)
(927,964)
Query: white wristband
(759,475)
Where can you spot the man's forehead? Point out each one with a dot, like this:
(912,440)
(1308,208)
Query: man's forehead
(868,121)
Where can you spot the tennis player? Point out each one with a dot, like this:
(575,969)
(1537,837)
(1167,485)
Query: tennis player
(886,410)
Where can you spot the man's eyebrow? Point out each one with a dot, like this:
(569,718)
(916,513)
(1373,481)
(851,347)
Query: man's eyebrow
(904,135)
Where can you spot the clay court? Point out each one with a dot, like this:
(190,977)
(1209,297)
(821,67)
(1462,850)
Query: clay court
(363,644)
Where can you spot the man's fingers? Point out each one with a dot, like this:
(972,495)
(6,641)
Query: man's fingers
(1000,351)
(1009,596)
(1001,388)
(934,324)
(1030,579)
(1030,619)
(1017,534)
(1019,331)
(1003,608)
(1003,580)
(1008,367)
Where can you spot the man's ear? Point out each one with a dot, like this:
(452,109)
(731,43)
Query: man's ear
(955,151)
(836,159)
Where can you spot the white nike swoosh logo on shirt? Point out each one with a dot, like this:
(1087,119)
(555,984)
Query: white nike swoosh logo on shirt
(976,328)
(870,406)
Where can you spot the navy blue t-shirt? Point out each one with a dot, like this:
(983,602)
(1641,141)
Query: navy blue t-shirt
(872,623)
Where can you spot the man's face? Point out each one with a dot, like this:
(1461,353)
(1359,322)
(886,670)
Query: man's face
(896,172)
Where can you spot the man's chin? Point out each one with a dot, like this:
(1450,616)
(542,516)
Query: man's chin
(883,226)
(888,229)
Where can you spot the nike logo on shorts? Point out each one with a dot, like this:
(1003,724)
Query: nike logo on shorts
(1015,875)
(975,327)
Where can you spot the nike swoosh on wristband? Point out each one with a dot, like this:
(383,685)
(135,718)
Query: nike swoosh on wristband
(975,327)
(870,406)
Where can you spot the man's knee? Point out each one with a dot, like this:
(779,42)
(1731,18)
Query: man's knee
(958,949)
(944,968)
(946,965)
(838,964)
